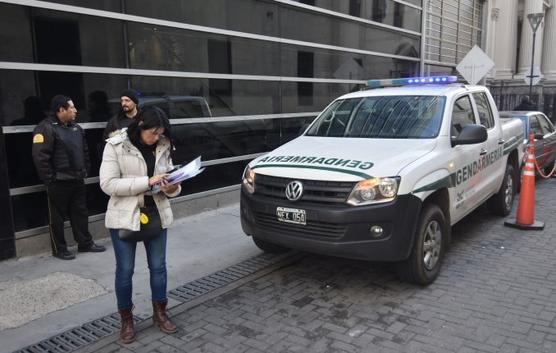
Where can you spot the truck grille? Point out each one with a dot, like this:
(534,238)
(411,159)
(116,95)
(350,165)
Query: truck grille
(269,222)
(313,190)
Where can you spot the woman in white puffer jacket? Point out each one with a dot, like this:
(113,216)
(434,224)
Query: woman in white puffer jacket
(134,164)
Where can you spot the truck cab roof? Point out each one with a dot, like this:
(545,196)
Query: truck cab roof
(417,90)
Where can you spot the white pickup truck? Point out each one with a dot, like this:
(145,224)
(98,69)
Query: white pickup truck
(384,173)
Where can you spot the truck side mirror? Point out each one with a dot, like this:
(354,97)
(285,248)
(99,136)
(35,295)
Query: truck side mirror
(470,135)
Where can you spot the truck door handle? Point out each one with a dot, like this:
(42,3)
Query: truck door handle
(501,141)
(483,152)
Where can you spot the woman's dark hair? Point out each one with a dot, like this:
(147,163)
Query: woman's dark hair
(149,118)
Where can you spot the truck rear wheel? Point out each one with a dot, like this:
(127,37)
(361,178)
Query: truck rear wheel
(269,247)
(423,265)
(502,202)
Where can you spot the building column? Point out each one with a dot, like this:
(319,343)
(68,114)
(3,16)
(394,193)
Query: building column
(504,45)
(531,6)
(549,45)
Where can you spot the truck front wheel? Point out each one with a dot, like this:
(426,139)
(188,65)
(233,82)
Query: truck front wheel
(502,202)
(269,247)
(429,247)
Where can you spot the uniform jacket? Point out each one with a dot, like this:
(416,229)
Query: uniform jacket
(60,151)
(123,176)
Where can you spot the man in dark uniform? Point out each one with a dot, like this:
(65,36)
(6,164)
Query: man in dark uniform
(129,109)
(61,157)
(526,104)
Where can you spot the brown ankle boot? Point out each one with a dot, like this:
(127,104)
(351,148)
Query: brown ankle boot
(127,331)
(160,318)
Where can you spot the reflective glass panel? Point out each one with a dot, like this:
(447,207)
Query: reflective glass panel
(239,15)
(61,38)
(15,34)
(31,210)
(300,24)
(383,11)
(108,5)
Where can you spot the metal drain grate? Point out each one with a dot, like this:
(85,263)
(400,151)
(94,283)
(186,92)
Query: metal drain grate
(79,336)
(224,277)
(95,330)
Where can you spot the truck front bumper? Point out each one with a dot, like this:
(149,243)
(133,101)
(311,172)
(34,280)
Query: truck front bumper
(336,230)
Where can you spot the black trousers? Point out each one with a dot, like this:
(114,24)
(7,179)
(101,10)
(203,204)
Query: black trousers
(68,198)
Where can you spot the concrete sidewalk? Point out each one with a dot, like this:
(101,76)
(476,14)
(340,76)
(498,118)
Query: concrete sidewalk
(42,296)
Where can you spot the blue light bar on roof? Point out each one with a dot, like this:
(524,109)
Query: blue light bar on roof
(392,82)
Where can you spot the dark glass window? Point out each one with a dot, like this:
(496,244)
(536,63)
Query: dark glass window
(383,11)
(209,140)
(415,2)
(433,70)
(97,95)
(300,24)
(355,8)
(238,15)
(223,97)
(60,38)
(31,210)
(165,48)
(262,18)
(341,65)
(15,34)
(31,93)
(305,68)
(323,94)
(21,106)
(108,5)
(162,48)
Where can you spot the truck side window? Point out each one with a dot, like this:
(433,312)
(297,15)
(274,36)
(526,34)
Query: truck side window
(534,125)
(483,108)
(546,125)
(462,115)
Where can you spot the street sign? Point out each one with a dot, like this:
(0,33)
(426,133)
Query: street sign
(536,76)
(475,65)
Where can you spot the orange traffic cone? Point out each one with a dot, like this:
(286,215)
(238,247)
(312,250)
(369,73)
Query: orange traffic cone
(525,218)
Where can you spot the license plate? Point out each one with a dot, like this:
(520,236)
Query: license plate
(291,215)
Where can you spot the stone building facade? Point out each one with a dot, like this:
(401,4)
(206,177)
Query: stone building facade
(509,42)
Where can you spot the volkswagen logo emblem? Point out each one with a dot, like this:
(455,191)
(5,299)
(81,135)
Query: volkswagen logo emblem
(294,190)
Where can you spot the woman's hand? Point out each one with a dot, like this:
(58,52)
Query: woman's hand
(168,188)
(156,179)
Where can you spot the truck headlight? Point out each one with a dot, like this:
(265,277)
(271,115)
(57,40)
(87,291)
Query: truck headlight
(374,190)
(249,180)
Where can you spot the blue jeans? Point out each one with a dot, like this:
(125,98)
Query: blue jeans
(125,264)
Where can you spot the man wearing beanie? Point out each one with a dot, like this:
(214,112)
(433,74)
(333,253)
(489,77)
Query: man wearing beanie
(129,109)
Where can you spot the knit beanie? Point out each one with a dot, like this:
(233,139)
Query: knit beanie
(131,94)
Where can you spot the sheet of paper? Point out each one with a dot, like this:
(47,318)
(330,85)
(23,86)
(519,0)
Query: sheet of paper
(188,171)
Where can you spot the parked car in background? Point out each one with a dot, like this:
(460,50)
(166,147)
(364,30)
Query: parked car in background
(545,136)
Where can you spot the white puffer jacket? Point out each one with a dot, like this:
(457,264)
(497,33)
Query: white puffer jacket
(123,176)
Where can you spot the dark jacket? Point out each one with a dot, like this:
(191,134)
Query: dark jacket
(117,122)
(60,151)
(526,106)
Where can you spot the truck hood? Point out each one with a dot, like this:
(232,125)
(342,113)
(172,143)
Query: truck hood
(341,159)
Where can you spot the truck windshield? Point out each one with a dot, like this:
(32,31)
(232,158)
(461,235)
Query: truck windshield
(381,117)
